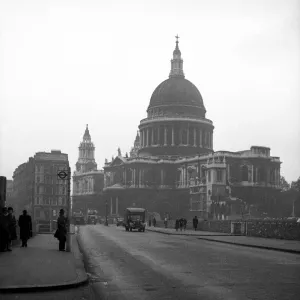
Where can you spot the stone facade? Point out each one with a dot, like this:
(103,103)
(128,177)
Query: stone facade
(176,171)
(39,190)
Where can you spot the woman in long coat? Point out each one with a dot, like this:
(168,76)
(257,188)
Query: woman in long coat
(61,234)
(25,225)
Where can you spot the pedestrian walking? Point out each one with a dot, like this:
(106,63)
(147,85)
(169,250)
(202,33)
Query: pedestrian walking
(166,222)
(177,224)
(4,230)
(154,222)
(25,225)
(195,223)
(12,225)
(181,224)
(149,222)
(61,232)
(184,223)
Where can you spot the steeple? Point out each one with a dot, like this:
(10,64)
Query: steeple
(176,62)
(86,136)
(86,158)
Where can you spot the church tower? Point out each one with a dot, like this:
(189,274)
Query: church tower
(86,159)
(136,147)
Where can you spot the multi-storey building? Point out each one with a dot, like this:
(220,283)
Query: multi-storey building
(175,170)
(38,188)
(9,188)
(87,180)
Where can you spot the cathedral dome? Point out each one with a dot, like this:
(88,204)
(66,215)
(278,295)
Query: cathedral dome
(176,95)
(176,91)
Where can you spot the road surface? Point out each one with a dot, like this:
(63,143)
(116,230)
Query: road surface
(137,265)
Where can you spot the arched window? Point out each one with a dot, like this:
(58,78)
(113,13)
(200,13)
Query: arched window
(244,173)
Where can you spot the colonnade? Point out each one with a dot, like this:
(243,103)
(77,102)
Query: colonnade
(164,135)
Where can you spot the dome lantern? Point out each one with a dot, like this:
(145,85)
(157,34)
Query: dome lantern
(176,62)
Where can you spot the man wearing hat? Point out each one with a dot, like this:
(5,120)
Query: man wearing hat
(4,230)
(61,232)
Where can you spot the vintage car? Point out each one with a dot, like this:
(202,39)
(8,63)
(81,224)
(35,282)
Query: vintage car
(78,218)
(120,222)
(134,218)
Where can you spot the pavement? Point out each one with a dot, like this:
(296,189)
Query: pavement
(147,265)
(41,266)
(246,241)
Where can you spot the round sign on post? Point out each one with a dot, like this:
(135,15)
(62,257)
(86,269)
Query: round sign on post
(62,174)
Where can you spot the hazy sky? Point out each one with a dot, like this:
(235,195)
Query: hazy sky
(65,64)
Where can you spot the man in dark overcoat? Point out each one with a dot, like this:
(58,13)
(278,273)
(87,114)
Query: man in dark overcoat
(25,225)
(4,230)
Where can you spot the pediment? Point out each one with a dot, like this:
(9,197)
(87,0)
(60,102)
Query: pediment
(118,161)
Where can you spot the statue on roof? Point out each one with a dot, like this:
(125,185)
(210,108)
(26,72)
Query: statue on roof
(119,152)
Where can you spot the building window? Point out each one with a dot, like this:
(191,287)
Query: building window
(38,179)
(219,175)
(46,201)
(244,173)
(59,201)
(37,200)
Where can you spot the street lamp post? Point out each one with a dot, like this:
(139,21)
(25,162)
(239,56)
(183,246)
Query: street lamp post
(106,222)
(69,203)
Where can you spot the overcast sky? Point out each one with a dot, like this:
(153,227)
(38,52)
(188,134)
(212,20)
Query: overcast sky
(68,63)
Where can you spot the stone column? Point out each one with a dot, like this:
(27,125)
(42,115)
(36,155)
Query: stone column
(256,174)
(117,205)
(161,177)
(147,137)
(125,177)
(200,136)
(172,135)
(142,137)
(252,173)
(111,205)
(188,136)
(194,136)
(158,135)
(152,136)
(208,138)
(212,140)
(165,136)
(140,177)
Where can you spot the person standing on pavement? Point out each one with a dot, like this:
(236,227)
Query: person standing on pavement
(12,225)
(4,230)
(195,223)
(184,223)
(176,224)
(154,222)
(25,225)
(181,224)
(62,223)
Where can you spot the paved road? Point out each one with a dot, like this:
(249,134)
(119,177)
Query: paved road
(80,293)
(134,265)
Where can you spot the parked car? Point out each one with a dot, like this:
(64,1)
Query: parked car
(120,221)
